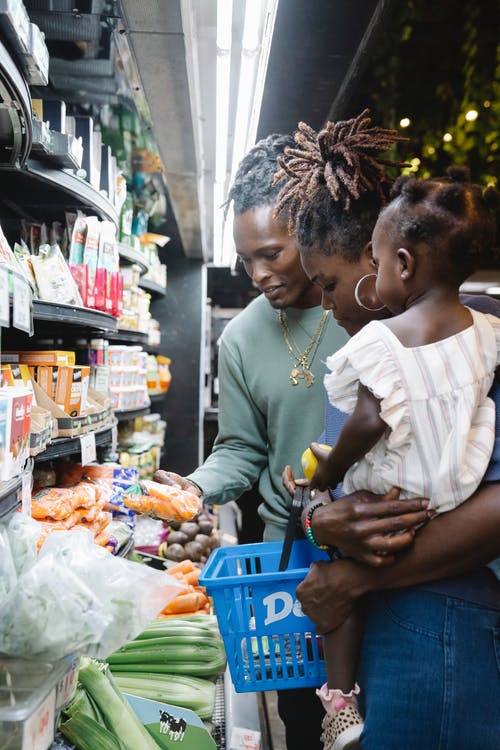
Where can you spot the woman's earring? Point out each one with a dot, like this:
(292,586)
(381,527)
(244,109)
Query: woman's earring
(357,297)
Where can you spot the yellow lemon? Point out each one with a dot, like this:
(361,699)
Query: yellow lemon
(309,460)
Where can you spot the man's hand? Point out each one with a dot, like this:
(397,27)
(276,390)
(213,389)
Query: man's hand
(290,483)
(370,528)
(329,592)
(175,480)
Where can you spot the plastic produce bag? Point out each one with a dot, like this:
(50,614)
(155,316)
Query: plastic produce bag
(78,598)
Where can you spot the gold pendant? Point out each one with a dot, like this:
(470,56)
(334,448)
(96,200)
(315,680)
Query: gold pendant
(304,373)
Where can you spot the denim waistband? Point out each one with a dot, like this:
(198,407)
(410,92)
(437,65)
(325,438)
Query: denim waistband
(480,587)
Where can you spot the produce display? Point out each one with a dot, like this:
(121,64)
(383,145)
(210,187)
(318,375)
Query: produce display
(193,598)
(191,540)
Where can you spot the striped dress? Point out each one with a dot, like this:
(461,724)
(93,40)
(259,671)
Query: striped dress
(433,398)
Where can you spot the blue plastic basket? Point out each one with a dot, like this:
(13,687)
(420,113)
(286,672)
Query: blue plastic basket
(270,643)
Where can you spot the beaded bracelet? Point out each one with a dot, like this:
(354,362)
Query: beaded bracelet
(308,525)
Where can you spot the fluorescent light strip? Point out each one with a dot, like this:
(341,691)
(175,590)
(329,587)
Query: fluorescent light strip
(265,49)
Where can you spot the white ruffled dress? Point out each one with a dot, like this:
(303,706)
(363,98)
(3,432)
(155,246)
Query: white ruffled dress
(440,421)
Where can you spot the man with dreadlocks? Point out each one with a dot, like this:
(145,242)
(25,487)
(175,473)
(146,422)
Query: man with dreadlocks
(271,401)
(428,645)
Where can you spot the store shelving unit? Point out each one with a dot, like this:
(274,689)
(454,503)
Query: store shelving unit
(15,113)
(71,315)
(9,496)
(61,447)
(129,255)
(154,289)
(132,413)
(127,337)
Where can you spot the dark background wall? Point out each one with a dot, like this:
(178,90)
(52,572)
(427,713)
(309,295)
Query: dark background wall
(179,314)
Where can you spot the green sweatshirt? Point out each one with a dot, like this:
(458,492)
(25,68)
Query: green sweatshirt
(265,422)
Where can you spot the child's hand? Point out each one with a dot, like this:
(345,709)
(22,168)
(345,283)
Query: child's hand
(323,476)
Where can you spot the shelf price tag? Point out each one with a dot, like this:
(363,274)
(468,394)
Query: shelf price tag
(87,447)
(4,297)
(244,739)
(22,314)
(26,493)
(38,730)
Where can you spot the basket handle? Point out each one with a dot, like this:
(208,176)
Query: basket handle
(300,498)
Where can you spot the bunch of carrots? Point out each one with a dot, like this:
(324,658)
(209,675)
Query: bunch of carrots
(193,600)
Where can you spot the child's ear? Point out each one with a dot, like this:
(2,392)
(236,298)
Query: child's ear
(406,263)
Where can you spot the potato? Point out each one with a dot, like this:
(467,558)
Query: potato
(205,525)
(193,551)
(177,537)
(175,552)
(204,541)
(190,529)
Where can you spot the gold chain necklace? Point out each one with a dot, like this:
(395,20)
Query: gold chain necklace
(301,367)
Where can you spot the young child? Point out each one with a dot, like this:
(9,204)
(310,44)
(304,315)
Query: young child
(415,385)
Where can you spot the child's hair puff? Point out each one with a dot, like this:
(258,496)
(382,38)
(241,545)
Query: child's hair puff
(452,213)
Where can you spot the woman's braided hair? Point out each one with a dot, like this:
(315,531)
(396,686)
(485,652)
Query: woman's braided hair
(335,184)
(253,184)
(453,215)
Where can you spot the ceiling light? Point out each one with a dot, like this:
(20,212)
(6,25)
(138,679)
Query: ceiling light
(258,27)
(404,122)
(493,290)
(447,137)
(471,115)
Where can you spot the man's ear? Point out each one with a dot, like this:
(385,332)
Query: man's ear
(406,262)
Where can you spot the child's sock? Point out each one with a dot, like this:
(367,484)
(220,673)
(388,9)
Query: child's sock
(342,724)
(334,700)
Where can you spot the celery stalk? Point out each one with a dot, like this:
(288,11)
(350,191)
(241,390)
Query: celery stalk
(117,714)
(194,693)
(87,734)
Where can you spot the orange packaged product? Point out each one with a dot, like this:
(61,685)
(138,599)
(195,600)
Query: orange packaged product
(164,502)
(56,503)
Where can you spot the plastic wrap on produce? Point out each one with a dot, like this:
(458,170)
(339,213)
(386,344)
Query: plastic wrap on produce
(76,597)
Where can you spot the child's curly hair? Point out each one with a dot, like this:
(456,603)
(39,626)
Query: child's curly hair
(452,213)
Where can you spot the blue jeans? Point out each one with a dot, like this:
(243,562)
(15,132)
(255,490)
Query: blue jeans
(430,673)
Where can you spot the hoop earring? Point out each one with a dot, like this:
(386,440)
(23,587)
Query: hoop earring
(357,298)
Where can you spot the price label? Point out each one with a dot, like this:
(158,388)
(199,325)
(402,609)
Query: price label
(114,438)
(4,297)
(26,493)
(244,739)
(38,730)
(22,317)
(87,446)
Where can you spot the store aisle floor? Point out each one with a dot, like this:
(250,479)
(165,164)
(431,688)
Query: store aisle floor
(275,725)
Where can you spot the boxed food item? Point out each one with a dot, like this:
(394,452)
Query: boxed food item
(38,357)
(72,388)
(46,377)
(15,422)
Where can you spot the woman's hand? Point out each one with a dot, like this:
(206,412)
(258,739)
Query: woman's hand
(175,480)
(370,528)
(329,592)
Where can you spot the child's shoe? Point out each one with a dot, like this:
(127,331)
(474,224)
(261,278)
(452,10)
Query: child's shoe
(342,724)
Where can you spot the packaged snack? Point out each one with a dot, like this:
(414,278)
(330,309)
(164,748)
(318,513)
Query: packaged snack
(53,277)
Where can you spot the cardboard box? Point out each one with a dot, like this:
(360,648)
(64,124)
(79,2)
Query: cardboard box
(46,377)
(15,420)
(38,357)
(97,415)
(72,389)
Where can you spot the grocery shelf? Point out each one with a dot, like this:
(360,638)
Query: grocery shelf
(9,495)
(61,447)
(156,290)
(55,312)
(131,413)
(156,398)
(129,255)
(41,190)
(16,112)
(129,337)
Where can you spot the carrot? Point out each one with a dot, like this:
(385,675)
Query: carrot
(184,566)
(192,577)
(162,616)
(184,603)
